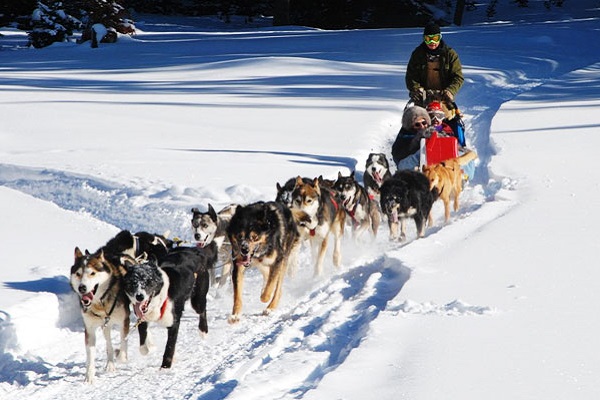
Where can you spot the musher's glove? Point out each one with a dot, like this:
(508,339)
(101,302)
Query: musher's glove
(448,96)
(418,96)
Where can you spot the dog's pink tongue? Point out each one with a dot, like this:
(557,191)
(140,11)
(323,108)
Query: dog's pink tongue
(138,309)
(377,177)
(395,216)
(243,261)
(87,298)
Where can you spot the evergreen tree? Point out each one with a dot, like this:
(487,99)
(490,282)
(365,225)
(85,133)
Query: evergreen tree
(16,12)
(51,23)
(56,21)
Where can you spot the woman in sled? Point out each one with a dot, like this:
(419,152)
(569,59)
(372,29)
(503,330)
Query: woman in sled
(416,124)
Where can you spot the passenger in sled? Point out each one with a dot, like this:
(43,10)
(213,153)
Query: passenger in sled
(416,125)
(427,137)
(449,123)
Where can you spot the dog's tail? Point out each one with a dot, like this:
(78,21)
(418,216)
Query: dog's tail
(469,156)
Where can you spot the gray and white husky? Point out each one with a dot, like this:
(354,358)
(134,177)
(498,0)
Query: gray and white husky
(212,226)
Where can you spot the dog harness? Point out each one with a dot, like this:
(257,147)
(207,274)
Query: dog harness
(312,232)
(352,213)
(163,308)
(112,308)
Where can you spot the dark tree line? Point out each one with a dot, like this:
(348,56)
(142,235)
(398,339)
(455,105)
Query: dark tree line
(48,21)
(325,14)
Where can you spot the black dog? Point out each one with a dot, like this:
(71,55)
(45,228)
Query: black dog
(406,195)
(136,244)
(159,290)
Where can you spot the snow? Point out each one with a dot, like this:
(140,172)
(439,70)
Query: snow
(499,303)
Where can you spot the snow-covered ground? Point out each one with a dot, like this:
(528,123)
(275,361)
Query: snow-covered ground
(499,303)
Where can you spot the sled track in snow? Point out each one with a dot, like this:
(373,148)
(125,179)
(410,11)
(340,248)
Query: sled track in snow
(317,333)
(311,330)
(105,201)
(315,329)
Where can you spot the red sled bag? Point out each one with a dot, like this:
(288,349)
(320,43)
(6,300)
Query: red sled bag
(438,149)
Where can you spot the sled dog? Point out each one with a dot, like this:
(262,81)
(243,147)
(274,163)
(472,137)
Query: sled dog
(326,216)
(284,193)
(97,282)
(136,244)
(360,208)
(445,179)
(406,195)
(158,290)
(326,183)
(212,226)
(263,235)
(377,170)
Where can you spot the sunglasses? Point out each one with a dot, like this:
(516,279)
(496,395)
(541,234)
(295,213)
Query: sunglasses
(429,39)
(420,124)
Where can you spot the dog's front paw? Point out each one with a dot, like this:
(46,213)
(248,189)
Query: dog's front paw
(110,367)
(121,356)
(233,319)
(267,312)
(146,349)
(166,364)
(90,378)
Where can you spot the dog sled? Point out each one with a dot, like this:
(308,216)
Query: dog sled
(439,146)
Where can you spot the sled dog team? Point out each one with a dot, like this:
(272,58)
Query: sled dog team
(154,276)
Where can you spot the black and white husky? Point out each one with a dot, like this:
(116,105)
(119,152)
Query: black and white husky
(362,210)
(377,171)
(209,227)
(158,291)
(97,282)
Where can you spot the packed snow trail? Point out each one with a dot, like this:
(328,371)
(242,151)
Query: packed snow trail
(315,332)
(125,207)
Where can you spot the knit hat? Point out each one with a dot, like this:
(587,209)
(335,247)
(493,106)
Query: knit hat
(434,106)
(412,114)
(432,29)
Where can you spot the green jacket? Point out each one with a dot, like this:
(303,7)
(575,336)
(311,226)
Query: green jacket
(450,69)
